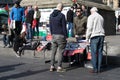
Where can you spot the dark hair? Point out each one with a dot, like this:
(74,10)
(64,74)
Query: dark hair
(17,2)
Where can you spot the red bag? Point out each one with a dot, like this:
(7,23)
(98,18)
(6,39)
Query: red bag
(89,56)
(34,23)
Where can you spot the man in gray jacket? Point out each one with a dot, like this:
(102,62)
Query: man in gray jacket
(95,32)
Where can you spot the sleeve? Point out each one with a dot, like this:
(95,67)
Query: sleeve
(64,26)
(34,16)
(89,28)
(23,15)
(74,27)
(11,14)
(50,25)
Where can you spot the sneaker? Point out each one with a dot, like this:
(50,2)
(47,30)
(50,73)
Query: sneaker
(52,69)
(17,55)
(61,70)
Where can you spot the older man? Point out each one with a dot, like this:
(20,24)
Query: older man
(59,35)
(95,33)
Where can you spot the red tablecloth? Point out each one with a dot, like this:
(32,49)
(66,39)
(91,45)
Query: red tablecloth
(73,52)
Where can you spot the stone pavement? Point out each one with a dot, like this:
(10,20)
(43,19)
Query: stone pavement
(113,49)
(33,68)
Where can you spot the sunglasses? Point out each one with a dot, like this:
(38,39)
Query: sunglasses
(77,11)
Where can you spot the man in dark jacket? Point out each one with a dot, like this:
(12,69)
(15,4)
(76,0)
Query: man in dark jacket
(70,15)
(29,19)
(59,35)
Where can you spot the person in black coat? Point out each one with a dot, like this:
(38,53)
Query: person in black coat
(59,34)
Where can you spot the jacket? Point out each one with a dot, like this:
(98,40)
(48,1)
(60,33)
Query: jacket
(70,15)
(17,14)
(95,26)
(29,16)
(80,24)
(58,23)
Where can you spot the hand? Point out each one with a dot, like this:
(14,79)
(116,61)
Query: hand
(76,36)
(87,42)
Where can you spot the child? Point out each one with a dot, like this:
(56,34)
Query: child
(5,36)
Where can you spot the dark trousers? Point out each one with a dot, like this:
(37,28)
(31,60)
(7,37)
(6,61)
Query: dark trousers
(18,28)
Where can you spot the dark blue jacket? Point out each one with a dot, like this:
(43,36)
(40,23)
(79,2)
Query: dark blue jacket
(17,14)
(58,23)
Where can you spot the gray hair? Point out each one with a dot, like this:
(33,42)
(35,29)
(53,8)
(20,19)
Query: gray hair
(94,9)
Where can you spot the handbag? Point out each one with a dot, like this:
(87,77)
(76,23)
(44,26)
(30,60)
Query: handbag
(12,24)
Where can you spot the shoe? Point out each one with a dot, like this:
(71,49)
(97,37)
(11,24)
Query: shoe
(93,71)
(61,70)
(4,46)
(17,55)
(52,69)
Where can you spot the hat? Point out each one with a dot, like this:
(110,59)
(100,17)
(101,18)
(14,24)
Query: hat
(94,9)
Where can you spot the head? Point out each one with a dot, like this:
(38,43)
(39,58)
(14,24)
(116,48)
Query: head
(93,9)
(83,7)
(36,8)
(29,7)
(59,6)
(4,26)
(78,12)
(17,4)
(72,8)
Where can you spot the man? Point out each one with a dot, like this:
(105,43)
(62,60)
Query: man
(79,23)
(17,15)
(37,15)
(59,35)
(95,33)
(70,15)
(29,19)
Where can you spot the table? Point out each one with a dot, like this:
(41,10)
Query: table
(75,48)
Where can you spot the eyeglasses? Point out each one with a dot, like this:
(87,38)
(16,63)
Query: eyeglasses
(77,11)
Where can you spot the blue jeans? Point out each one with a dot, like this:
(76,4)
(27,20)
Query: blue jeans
(96,46)
(5,40)
(29,31)
(70,27)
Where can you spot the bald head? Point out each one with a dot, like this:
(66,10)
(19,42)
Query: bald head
(60,6)
(93,9)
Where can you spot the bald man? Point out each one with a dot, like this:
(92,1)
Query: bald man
(59,35)
(95,33)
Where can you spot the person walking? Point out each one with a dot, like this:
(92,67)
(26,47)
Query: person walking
(79,23)
(59,34)
(95,33)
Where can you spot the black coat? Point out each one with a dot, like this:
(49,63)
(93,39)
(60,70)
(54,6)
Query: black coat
(58,23)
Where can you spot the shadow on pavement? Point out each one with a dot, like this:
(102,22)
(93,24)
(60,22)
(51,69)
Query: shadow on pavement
(23,74)
(9,67)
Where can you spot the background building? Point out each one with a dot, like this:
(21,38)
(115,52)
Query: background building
(112,3)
